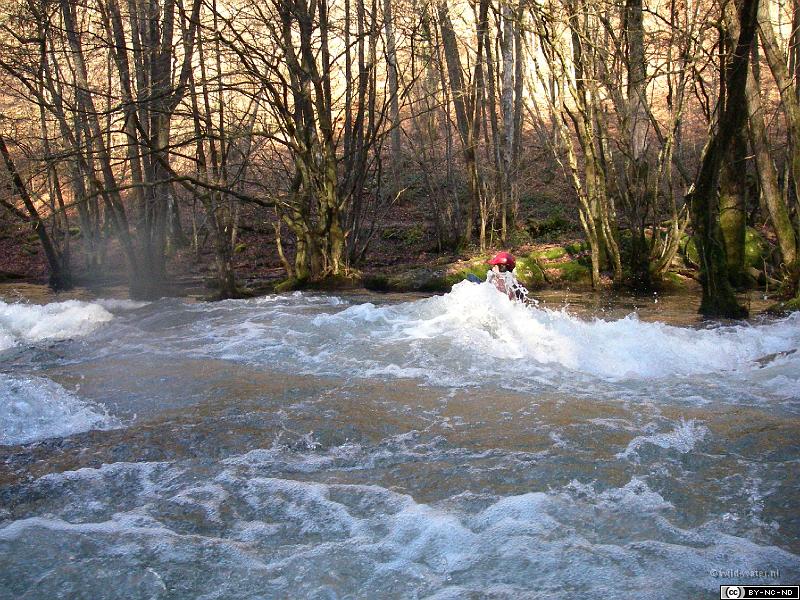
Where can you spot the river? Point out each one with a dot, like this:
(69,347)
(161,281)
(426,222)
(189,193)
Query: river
(364,446)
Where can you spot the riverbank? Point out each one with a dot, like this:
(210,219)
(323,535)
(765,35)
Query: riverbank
(673,307)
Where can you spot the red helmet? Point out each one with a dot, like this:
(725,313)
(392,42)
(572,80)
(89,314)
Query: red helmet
(504,258)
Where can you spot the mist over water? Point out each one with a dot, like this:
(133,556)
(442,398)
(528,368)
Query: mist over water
(316,446)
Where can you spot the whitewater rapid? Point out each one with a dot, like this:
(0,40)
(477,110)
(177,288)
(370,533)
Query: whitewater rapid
(471,337)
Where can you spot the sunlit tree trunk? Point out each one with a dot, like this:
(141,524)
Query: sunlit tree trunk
(393,89)
(772,198)
(466,107)
(791,107)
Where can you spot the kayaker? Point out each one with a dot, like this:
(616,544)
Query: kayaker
(501,275)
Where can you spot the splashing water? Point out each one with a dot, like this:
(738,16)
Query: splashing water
(20,323)
(456,446)
(35,408)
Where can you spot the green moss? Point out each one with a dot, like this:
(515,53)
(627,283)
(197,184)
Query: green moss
(332,282)
(537,199)
(416,280)
(519,237)
(793,304)
(7,276)
(576,247)
(438,284)
(672,282)
(477,268)
(756,249)
(674,278)
(551,253)
(572,270)
(408,236)
(529,272)
(337,282)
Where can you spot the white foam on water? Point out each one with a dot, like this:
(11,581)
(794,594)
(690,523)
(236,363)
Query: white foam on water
(24,323)
(233,531)
(474,335)
(681,439)
(35,408)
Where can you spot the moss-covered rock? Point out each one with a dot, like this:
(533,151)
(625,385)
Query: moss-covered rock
(330,283)
(427,279)
(573,271)
(408,236)
(550,265)
(460,271)
(530,272)
(756,249)
(376,283)
(550,253)
(8,276)
(674,283)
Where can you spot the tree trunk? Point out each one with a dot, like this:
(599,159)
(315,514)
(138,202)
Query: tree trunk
(60,275)
(791,107)
(465,106)
(394,101)
(138,287)
(773,201)
(507,106)
(732,207)
(733,180)
(718,297)
(637,123)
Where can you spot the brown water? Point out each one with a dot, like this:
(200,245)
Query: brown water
(391,446)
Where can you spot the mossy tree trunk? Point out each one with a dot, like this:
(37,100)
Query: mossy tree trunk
(719,299)
(733,176)
(732,207)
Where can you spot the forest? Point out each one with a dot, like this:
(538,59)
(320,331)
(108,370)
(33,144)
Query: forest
(131,128)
